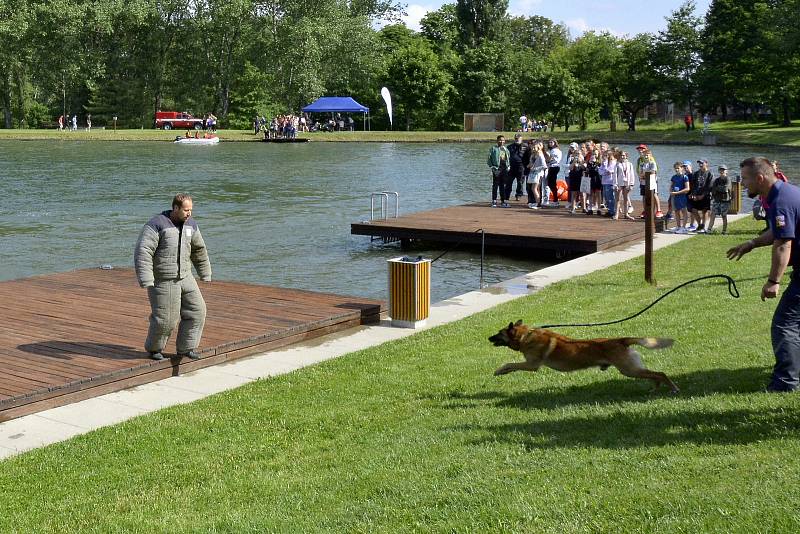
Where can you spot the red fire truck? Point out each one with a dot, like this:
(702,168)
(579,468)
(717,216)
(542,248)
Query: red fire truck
(169,120)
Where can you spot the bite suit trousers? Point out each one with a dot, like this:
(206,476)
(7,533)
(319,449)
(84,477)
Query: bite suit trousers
(176,302)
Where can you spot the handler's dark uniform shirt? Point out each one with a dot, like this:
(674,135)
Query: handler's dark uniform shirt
(783,216)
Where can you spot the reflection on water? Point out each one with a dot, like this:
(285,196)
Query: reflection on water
(274,214)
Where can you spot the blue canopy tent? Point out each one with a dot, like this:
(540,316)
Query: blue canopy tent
(338,104)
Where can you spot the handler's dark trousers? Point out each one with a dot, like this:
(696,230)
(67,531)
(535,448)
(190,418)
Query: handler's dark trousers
(516,172)
(786,339)
(552,179)
(173,302)
(499,179)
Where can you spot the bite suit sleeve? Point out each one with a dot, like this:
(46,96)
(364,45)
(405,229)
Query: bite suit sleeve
(199,257)
(143,256)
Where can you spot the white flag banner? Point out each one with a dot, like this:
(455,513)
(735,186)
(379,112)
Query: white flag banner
(388,99)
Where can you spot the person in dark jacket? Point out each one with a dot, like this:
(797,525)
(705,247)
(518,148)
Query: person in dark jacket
(498,162)
(700,196)
(520,157)
(169,244)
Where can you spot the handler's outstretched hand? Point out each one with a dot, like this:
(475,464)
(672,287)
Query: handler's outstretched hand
(738,251)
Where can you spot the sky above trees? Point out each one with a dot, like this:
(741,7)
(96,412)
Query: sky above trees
(618,17)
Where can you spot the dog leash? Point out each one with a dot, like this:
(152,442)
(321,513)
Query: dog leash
(732,289)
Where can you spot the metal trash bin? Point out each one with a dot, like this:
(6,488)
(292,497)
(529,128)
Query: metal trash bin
(736,195)
(409,291)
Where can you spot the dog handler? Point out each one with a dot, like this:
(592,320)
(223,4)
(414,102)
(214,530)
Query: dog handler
(783,217)
(168,246)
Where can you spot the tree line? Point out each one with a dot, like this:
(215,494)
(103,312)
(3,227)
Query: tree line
(242,58)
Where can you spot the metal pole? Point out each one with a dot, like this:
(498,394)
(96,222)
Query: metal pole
(483,242)
(649,230)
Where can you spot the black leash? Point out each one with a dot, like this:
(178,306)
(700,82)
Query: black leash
(732,289)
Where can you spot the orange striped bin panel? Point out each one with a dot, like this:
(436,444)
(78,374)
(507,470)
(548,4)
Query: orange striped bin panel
(409,291)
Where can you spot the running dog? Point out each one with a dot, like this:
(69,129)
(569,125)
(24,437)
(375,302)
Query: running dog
(544,347)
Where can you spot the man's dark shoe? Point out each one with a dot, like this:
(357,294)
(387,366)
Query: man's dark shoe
(157,356)
(192,355)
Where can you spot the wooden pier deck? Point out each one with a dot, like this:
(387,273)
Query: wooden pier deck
(71,336)
(548,230)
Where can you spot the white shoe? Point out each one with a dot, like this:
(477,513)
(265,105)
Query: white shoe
(630,209)
(682,231)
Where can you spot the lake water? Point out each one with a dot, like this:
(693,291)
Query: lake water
(272,214)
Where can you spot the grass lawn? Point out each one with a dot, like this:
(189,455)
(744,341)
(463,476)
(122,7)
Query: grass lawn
(732,132)
(417,435)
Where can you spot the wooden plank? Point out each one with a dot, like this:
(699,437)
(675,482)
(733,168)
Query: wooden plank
(108,384)
(518,227)
(61,340)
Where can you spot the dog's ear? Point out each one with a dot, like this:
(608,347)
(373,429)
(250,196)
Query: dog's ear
(510,326)
(518,323)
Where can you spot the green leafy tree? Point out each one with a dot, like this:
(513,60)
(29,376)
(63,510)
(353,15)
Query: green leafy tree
(418,84)
(594,60)
(677,55)
(350,64)
(750,54)
(487,81)
(721,48)
(636,82)
(480,20)
(441,27)
(249,98)
(537,33)
(783,56)
(224,29)
(14,57)
(552,93)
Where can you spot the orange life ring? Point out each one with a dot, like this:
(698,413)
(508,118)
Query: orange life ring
(562,190)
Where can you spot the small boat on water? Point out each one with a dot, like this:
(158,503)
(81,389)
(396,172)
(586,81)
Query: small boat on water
(197,140)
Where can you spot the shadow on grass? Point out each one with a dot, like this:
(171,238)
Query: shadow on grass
(632,428)
(626,430)
(698,384)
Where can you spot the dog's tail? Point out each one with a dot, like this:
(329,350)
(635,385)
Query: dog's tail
(649,342)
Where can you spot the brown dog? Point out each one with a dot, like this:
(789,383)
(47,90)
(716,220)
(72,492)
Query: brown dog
(544,347)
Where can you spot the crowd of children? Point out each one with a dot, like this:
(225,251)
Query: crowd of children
(600,179)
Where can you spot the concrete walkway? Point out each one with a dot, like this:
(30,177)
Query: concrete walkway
(59,424)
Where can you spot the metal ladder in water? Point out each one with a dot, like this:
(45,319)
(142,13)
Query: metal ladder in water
(384,197)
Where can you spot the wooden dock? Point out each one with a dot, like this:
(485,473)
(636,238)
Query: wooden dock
(546,230)
(71,336)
